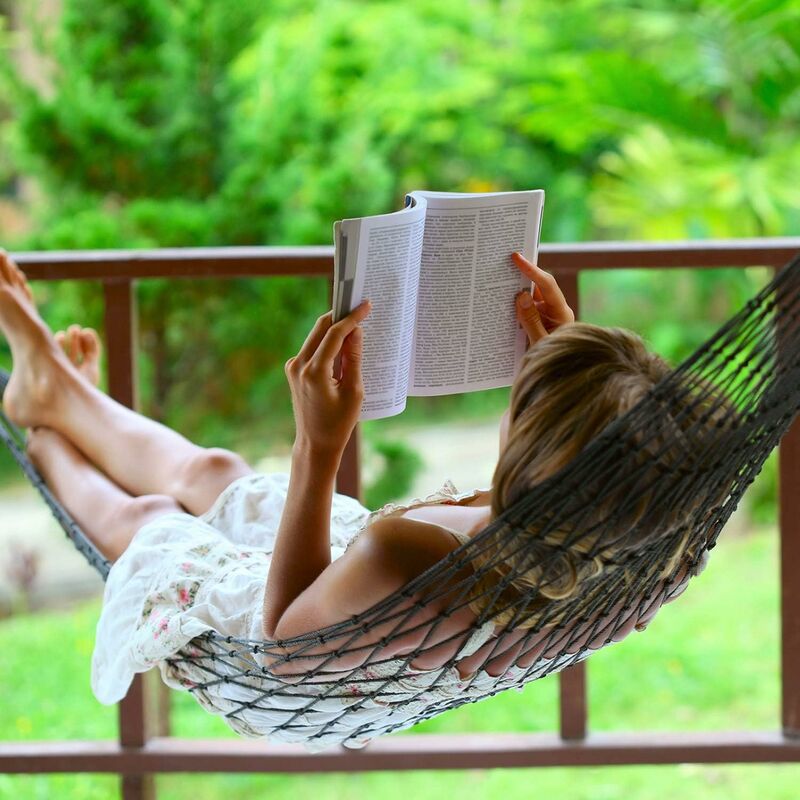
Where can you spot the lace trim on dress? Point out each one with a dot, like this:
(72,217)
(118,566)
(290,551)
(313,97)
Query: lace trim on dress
(447,495)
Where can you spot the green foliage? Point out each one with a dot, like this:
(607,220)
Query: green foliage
(401,465)
(762,496)
(203,122)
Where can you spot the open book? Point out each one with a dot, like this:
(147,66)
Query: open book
(442,284)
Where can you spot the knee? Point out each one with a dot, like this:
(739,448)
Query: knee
(135,512)
(212,465)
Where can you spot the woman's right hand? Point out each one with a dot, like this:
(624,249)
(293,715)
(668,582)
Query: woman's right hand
(546,308)
(326,407)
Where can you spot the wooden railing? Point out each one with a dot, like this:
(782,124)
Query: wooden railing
(144,747)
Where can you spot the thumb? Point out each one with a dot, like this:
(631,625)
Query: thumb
(529,318)
(352,353)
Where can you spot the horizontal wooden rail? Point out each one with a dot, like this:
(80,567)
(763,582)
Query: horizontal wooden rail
(429,751)
(236,262)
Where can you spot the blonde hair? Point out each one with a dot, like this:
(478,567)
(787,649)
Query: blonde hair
(571,385)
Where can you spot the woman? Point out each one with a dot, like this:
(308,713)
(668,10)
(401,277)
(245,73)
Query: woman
(200,541)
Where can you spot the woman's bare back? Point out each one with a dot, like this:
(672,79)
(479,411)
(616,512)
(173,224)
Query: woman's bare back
(413,540)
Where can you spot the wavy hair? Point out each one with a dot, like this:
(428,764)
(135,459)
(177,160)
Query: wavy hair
(571,385)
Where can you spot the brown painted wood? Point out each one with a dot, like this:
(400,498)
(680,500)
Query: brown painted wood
(789,530)
(697,253)
(789,524)
(573,704)
(137,787)
(135,719)
(209,262)
(348,478)
(120,320)
(196,262)
(416,751)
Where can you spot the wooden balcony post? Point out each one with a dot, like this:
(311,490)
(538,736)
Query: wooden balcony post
(145,709)
(572,681)
(789,528)
(789,532)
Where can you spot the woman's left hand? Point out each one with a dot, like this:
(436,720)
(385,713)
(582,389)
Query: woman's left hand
(544,310)
(326,408)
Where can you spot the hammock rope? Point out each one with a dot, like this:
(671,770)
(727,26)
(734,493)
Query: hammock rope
(642,503)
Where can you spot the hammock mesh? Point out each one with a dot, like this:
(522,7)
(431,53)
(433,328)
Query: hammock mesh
(645,499)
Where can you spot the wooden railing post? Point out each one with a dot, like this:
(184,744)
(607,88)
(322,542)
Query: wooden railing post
(573,706)
(789,528)
(348,478)
(145,710)
(789,532)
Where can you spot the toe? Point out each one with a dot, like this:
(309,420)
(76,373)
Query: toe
(13,274)
(5,267)
(73,342)
(91,343)
(63,342)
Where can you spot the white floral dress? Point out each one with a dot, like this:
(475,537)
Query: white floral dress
(182,576)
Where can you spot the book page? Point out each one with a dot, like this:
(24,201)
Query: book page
(377,258)
(466,335)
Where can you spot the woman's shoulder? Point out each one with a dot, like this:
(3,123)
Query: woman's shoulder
(392,551)
(404,545)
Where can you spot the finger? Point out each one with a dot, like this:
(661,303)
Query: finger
(546,318)
(352,353)
(63,340)
(5,266)
(548,286)
(537,292)
(529,317)
(335,335)
(314,338)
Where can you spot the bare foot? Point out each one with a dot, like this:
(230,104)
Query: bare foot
(82,348)
(40,366)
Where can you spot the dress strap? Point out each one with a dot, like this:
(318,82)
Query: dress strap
(461,537)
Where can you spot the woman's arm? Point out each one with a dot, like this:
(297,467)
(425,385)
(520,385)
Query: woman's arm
(326,409)
(303,544)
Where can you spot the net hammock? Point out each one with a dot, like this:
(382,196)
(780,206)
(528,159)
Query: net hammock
(624,525)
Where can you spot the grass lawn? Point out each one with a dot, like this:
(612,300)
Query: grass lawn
(708,661)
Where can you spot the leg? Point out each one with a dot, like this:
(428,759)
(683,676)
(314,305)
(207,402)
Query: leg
(109,516)
(140,455)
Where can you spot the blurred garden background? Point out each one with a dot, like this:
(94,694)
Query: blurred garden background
(147,123)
